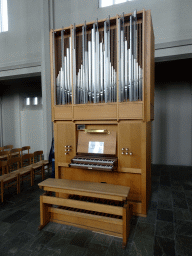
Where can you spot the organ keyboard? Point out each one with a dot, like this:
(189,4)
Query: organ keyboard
(94,163)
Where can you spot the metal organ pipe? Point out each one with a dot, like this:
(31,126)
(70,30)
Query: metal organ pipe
(96,79)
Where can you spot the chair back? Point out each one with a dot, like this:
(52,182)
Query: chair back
(4,167)
(14,163)
(15,152)
(24,149)
(8,147)
(27,159)
(38,156)
(4,155)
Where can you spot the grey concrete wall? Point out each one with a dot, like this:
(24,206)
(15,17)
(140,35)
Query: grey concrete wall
(22,125)
(171,20)
(22,43)
(171,128)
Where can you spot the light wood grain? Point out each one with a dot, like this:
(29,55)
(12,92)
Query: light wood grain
(89,187)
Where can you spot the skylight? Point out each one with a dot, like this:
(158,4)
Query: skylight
(3,16)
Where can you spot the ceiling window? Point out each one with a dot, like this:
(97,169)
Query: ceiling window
(104,3)
(3,16)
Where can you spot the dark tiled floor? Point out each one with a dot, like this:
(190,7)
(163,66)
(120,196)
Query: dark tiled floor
(167,230)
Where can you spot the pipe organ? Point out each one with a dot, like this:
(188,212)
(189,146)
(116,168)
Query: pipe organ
(102,80)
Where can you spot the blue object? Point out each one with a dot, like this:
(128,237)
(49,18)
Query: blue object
(53,168)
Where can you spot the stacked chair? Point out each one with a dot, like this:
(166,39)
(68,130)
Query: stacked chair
(17,166)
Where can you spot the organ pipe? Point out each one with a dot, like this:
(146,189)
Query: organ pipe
(95,76)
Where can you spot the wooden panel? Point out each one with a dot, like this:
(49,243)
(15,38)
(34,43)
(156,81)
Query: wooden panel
(148,66)
(130,170)
(130,110)
(88,228)
(63,112)
(83,186)
(84,205)
(95,111)
(129,136)
(64,136)
(102,223)
(109,141)
(136,207)
(125,179)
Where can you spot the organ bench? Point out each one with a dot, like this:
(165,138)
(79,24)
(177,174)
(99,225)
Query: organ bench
(89,205)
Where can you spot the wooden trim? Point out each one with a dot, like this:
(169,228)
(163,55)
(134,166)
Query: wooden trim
(51,71)
(130,170)
(95,229)
(63,164)
(89,220)
(83,205)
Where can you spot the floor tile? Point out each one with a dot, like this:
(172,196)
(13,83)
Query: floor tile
(164,246)
(49,252)
(15,216)
(165,229)
(101,239)
(144,230)
(180,203)
(96,250)
(178,194)
(181,214)
(165,204)
(151,217)
(183,245)
(4,226)
(153,206)
(39,242)
(16,228)
(15,244)
(165,215)
(183,227)
(164,192)
(189,202)
(82,238)
(141,247)
(187,186)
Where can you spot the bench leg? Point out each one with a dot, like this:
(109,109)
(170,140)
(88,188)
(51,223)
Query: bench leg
(126,223)
(44,215)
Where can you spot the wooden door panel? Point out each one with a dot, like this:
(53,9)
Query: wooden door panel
(65,136)
(130,137)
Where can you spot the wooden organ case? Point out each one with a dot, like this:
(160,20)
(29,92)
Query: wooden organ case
(102,76)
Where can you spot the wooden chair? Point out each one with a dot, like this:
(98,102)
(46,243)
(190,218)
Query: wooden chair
(8,147)
(15,152)
(9,180)
(38,166)
(38,157)
(26,171)
(27,159)
(1,148)
(3,167)
(24,149)
(4,155)
(14,163)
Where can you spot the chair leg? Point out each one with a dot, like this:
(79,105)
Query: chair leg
(2,190)
(18,183)
(43,172)
(32,179)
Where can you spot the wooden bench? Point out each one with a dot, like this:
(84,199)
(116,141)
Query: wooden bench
(99,207)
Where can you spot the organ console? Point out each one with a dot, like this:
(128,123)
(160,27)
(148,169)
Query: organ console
(102,82)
